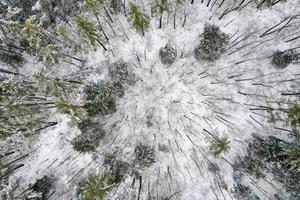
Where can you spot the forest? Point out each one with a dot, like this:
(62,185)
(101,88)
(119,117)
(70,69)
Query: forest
(149,99)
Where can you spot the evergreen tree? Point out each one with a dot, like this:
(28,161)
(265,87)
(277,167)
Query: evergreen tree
(139,19)
(281,59)
(161,6)
(289,115)
(62,90)
(43,187)
(144,155)
(93,5)
(70,109)
(275,156)
(167,54)
(220,146)
(97,186)
(88,141)
(49,54)
(20,111)
(100,99)
(212,45)
(120,74)
(67,41)
(242,192)
(88,30)
(36,42)
(58,8)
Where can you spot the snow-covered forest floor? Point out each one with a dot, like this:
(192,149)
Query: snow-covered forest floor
(175,111)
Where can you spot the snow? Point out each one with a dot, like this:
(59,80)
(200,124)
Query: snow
(182,99)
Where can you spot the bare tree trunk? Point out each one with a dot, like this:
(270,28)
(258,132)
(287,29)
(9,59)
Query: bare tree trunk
(160,20)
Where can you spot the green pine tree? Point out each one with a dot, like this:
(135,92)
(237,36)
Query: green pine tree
(37,42)
(220,146)
(139,19)
(88,30)
(162,6)
(93,5)
(97,186)
(20,111)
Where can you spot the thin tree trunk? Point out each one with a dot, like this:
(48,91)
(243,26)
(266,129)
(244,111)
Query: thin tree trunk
(160,20)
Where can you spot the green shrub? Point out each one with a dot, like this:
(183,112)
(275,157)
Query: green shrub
(212,45)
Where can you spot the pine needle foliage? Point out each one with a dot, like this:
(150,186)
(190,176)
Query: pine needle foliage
(100,99)
(273,155)
(87,142)
(65,37)
(93,5)
(161,6)
(293,116)
(97,186)
(119,73)
(91,134)
(71,109)
(55,87)
(179,2)
(103,91)
(140,20)
(100,107)
(19,111)
(36,42)
(89,31)
(220,146)
(289,115)
(212,45)
(144,156)
(243,192)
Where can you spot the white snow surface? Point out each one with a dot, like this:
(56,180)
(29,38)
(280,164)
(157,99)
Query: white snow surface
(181,100)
